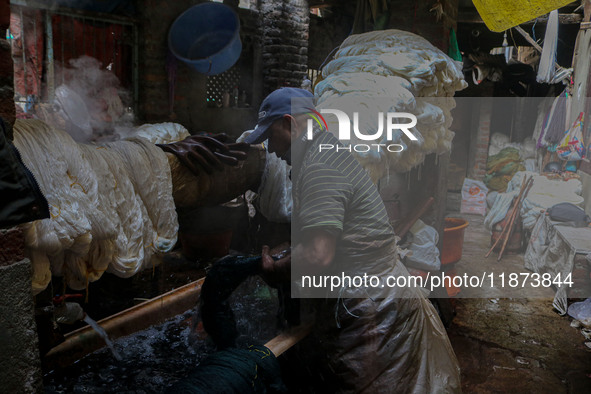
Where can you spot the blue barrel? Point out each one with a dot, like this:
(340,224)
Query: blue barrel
(206,37)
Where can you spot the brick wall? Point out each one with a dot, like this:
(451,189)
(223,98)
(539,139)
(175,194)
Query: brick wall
(284,33)
(479,144)
(275,45)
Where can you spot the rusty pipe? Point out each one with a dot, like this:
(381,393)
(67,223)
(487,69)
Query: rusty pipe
(85,340)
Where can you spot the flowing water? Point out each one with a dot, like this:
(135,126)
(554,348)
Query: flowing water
(155,358)
(103,335)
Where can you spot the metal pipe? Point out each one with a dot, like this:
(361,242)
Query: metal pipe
(24,52)
(74,54)
(135,77)
(85,340)
(62,22)
(83,37)
(50,59)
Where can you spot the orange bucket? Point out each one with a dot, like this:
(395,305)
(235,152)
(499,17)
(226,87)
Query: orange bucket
(450,287)
(453,240)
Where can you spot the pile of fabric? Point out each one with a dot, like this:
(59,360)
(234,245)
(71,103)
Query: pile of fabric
(506,158)
(501,167)
(554,122)
(111,205)
(543,194)
(388,71)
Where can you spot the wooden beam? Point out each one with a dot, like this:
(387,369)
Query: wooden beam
(586,10)
(528,38)
(287,339)
(564,19)
(531,40)
(75,12)
(323,3)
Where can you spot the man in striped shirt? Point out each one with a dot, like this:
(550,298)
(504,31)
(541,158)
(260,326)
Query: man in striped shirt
(371,338)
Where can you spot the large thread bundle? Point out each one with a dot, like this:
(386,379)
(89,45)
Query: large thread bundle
(111,206)
(388,71)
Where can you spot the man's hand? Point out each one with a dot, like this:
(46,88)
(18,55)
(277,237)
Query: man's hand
(199,152)
(275,270)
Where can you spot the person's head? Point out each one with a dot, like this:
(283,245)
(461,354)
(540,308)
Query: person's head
(279,121)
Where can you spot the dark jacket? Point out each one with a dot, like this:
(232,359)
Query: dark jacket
(21,199)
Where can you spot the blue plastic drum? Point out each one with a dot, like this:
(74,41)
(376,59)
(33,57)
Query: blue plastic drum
(206,37)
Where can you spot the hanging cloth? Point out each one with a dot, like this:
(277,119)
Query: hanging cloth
(546,70)
(556,124)
(454,49)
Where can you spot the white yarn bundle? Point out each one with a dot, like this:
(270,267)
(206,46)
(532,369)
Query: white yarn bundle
(111,206)
(162,133)
(388,71)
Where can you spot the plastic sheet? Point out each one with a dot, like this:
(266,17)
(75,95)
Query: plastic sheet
(413,351)
(581,311)
(274,193)
(547,253)
(473,197)
(543,194)
(424,254)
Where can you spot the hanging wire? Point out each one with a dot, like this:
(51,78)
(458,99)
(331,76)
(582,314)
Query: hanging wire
(513,38)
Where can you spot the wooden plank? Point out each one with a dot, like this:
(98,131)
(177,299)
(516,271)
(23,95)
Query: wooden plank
(578,238)
(528,38)
(282,342)
(564,19)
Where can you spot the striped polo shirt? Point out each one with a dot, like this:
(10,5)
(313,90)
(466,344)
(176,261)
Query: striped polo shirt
(333,192)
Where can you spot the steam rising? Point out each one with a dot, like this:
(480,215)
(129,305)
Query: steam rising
(90,103)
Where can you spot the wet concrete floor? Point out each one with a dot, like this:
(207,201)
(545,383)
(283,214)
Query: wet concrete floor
(512,341)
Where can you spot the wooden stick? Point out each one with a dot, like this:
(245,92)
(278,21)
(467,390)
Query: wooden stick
(510,215)
(531,41)
(287,339)
(515,215)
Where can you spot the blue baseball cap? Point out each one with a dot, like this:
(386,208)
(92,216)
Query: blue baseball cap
(277,104)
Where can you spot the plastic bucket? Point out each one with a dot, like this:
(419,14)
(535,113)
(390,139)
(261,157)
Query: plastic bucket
(206,37)
(453,240)
(451,289)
